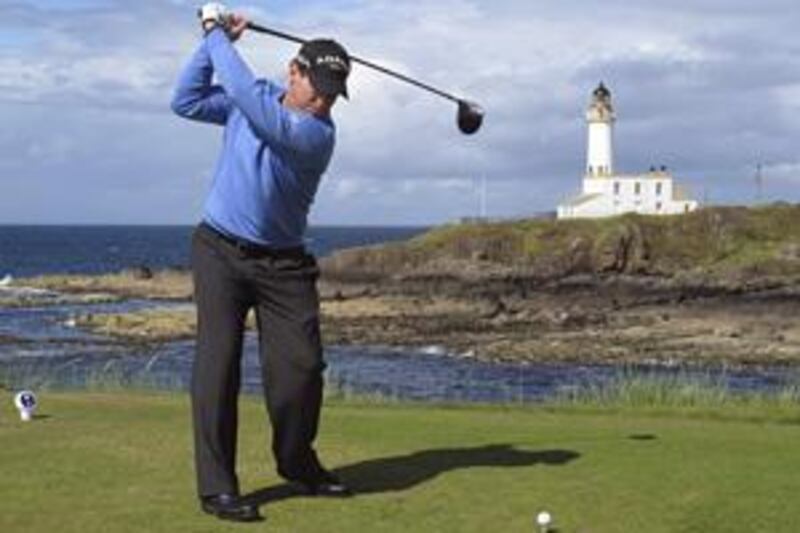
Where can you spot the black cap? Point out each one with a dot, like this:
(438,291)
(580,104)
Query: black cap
(328,65)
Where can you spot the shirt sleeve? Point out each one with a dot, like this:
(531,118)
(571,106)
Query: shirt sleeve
(276,125)
(195,97)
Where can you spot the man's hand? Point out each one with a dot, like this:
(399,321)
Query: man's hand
(214,14)
(236,25)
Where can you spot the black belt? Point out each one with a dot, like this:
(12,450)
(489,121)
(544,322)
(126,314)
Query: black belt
(253,249)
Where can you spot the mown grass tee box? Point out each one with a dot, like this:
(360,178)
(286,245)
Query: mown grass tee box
(122,462)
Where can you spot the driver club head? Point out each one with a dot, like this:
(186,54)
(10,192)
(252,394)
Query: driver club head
(470,117)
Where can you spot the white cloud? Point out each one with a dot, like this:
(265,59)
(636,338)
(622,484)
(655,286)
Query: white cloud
(703,86)
(789,97)
(785,172)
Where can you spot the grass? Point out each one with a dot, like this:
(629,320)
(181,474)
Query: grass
(164,284)
(151,325)
(721,242)
(697,397)
(122,462)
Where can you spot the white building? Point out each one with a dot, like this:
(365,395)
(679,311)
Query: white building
(606,193)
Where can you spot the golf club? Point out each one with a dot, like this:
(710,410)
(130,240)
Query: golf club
(470,115)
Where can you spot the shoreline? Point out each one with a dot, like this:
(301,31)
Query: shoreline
(584,320)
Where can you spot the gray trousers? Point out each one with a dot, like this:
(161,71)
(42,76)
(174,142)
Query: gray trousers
(229,280)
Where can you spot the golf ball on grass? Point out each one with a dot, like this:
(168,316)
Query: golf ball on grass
(544,519)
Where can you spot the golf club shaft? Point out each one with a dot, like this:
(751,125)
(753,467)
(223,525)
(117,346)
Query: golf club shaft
(275,33)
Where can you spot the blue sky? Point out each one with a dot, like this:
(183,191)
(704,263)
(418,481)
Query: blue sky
(709,88)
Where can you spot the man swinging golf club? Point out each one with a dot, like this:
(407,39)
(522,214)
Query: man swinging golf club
(248,254)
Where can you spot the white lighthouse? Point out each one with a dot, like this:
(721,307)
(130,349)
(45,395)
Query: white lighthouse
(606,193)
(600,148)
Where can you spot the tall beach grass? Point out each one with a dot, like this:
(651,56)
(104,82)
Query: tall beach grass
(689,393)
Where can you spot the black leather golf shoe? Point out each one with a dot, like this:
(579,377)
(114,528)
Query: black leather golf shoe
(230,507)
(326,484)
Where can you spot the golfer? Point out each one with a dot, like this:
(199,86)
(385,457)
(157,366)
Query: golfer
(248,253)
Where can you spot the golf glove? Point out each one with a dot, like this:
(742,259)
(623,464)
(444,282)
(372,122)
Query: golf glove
(213,14)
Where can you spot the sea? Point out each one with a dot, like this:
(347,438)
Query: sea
(36,250)
(41,348)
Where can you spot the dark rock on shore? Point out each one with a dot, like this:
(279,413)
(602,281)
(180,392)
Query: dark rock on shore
(719,285)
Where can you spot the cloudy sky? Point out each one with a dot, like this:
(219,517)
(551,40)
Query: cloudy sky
(710,88)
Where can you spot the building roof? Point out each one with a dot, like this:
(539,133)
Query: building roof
(580,199)
(657,175)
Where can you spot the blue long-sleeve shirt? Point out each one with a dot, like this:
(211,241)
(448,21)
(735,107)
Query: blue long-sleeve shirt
(272,157)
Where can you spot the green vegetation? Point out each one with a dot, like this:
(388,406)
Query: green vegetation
(694,396)
(163,284)
(122,462)
(717,237)
(42,376)
(719,243)
(150,325)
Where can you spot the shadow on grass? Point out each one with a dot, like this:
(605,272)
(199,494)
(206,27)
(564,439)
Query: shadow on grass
(402,472)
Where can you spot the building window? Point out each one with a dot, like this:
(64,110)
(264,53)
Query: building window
(616,188)
(658,189)
(658,206)
(637,188)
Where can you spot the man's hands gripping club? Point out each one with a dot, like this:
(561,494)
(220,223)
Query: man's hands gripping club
(215,14)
